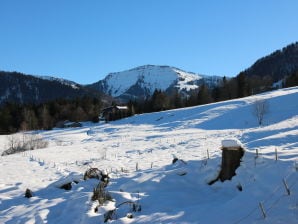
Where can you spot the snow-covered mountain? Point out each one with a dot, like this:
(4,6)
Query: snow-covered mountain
(140,82)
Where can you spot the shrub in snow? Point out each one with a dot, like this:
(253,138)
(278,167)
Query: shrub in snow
(260,109)
(28,193)
(126,208)
(100,194)
(95,173)
(110,215)
(25,142)
(92,173)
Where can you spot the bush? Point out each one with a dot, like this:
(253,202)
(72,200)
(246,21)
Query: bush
(92,173)
(25,142)
(260,110)
(100,194)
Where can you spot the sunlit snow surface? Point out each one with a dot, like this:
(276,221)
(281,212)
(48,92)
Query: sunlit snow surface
(152,77)
(167,193)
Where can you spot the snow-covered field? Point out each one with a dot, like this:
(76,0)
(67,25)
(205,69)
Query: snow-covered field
(137,153)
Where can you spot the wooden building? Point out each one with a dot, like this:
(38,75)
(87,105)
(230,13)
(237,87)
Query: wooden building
(114,113)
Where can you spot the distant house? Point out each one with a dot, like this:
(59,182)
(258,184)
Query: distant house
(68,124)
(114,113)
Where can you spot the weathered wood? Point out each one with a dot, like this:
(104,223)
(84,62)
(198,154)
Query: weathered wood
(262,210)
(286,186)
(231,158)
(232,152)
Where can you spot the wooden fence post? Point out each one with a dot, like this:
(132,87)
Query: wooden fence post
(286,186)
(262,209)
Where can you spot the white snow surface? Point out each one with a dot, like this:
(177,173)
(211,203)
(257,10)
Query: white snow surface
(152,77)
(166,192)
(226,143)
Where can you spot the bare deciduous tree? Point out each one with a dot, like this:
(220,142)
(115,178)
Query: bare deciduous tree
(260,109)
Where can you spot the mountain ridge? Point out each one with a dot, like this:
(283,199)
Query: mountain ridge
(20,88)
(277,65)
(140,82)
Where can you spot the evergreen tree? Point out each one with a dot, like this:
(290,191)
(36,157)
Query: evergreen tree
(6,121)
(30,121)
(159,101)
(46,119)
(204,95)
(176,100)
(242,85)
(292,80)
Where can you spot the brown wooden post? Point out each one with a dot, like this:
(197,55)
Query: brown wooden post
(231,158)
(262,210)
(232,152)
(286,186)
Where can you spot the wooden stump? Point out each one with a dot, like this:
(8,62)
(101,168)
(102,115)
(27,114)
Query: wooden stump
(231,158)
(232,152)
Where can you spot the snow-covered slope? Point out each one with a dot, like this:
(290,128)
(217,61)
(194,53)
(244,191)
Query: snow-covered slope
(66,82)
(141,82)
(138,151)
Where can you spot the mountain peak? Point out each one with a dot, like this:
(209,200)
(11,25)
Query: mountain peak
(140,82)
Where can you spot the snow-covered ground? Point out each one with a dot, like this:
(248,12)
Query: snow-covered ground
(137,152)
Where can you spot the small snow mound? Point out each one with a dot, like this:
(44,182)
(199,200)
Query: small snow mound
(231,143)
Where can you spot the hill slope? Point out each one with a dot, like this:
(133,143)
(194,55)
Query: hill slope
(277,65)
(167,193)
(19,88)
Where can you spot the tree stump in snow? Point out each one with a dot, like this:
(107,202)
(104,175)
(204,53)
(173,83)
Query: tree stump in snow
(232,152)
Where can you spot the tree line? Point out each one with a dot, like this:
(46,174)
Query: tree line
(15,117)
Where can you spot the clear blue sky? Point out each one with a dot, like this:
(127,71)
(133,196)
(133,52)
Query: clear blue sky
(85,40)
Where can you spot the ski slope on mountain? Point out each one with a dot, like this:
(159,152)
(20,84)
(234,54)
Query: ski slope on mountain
(137,152)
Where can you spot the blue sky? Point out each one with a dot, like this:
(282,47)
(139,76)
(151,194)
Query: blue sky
(85,40)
